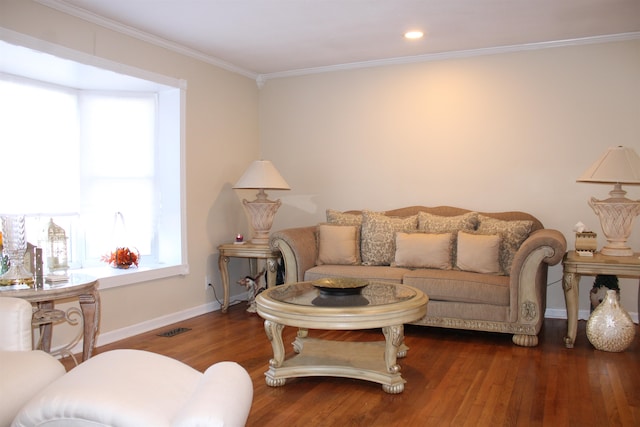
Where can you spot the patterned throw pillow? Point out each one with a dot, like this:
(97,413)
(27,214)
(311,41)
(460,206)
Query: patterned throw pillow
(423,250)
(512,235)
(377,238)
(431,223)
(338,244)
(341,218)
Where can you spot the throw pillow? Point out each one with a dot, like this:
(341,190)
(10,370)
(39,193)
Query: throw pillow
(512,235)
(341,218)
(479,253)
(431,223)
(377,244)
(338,244)
(423,250)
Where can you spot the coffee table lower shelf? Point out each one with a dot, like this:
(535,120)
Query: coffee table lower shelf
(358,360)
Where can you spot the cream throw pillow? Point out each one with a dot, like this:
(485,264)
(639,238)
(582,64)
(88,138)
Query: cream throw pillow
(479,253)
(338,244)
(422,250)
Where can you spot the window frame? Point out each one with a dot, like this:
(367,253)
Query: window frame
(171,90)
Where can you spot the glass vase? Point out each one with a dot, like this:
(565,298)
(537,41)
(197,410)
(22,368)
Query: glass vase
(610,327)
(14,243)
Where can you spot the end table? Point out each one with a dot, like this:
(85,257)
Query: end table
(79,286)
(253,252)
(574,266)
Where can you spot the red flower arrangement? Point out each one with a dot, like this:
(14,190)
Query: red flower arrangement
(122,258)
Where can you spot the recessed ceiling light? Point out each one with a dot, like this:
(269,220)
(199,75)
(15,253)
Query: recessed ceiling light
(412,35)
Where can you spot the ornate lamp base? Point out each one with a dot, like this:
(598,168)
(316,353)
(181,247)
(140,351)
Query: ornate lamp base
(261,213)
(616,214)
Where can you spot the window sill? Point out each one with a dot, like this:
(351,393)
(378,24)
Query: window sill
(109,277)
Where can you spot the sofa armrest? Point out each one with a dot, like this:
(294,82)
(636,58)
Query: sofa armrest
(553,239)
(23,374)
(299,251)
(529,275)
(15,324)
(222,397)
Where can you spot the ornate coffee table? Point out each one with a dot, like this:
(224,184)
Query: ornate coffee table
(378,305)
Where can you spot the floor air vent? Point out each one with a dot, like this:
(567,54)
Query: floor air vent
(173,332)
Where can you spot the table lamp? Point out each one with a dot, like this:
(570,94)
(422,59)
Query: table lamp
(261,175)
(617,166)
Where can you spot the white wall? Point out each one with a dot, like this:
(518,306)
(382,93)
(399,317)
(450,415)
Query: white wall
(493,133)
(221,141)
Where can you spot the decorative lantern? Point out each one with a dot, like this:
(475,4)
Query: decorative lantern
(57,255)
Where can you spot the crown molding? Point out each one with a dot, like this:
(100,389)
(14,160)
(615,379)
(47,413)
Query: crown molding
(262,78)
(30,42)
(141,35)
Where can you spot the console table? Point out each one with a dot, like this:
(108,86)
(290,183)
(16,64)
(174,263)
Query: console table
(574,266)
(253,252)
(83,287)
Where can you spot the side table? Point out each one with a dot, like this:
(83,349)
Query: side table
(574,266)
(83,287)
(253,252)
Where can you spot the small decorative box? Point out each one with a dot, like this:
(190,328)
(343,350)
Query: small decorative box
(586,241)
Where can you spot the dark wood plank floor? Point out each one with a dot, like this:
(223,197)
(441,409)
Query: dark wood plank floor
(454,378)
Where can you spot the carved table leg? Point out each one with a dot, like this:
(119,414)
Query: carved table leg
(274,334)
(47,328)
(570,282)
(394,338)
(90,306)
(272,271)
(223,264)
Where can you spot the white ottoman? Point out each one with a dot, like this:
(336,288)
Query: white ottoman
(137,388)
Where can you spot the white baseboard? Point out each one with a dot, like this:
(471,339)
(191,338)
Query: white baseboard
(561,313)
(149,325)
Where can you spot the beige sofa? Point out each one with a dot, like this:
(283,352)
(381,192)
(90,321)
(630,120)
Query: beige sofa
(481,271)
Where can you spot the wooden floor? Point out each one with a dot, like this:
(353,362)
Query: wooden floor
(454,378)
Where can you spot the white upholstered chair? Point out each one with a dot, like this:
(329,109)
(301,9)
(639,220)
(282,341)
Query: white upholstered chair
(115,388)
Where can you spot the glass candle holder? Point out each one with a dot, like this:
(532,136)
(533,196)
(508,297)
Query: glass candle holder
(14,243)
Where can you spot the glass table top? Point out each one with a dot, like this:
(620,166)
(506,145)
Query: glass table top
(371,294)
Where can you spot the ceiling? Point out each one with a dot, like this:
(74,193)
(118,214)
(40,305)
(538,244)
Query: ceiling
(275,37)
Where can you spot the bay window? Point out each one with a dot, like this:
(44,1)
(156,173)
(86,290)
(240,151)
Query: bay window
(90,151)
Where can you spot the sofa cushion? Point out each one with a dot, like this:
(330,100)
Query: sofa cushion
(479,253)
(338,244)
(512,234)
(423,250)
(377,244)
(375,273)
(460,286)
(342,218)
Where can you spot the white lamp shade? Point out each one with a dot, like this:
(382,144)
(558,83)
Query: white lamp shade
(262,174)
(617,165)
